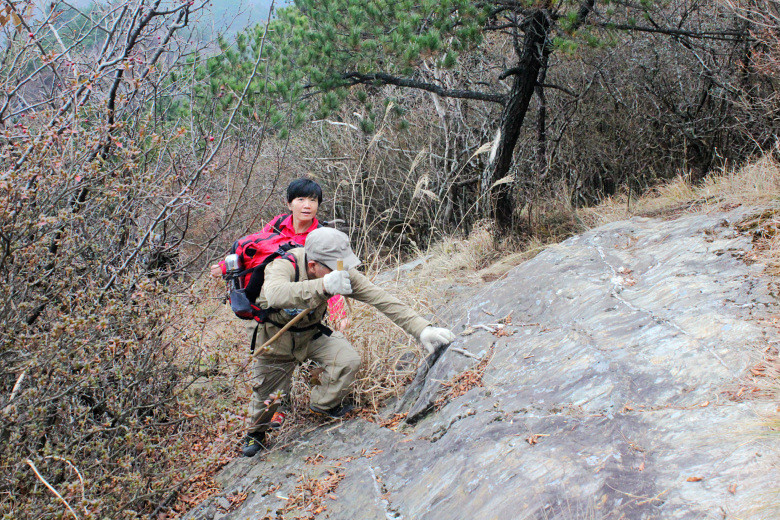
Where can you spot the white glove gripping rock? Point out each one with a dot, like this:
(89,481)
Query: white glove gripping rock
(432,337)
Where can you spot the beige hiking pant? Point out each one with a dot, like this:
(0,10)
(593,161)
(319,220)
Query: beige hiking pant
(272,371)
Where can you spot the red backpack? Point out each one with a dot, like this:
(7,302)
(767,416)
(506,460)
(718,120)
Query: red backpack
(254,252)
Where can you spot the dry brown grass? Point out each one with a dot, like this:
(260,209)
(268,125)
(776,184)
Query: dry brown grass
(756,183)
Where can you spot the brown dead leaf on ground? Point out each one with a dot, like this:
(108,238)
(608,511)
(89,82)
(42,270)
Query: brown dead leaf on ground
(733,489)
(465,381)
(758,370)
(744,393)
(236,499)
(534,439)
(373,453)
(694,479)
(314,459)
(393,422)
(502,331)
(308,496)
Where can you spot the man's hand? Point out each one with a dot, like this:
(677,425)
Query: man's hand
(432,337)
(337,282)
(215,270)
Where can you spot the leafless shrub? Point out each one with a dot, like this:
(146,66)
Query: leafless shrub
(102,183)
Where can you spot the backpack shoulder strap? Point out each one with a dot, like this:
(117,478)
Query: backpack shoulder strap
(278,222)
(288,256)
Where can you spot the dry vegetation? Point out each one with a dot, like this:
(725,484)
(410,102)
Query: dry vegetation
(390,357)
(756,183)
(121,378)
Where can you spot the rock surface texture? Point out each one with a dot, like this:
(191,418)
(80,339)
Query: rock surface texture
(619,388)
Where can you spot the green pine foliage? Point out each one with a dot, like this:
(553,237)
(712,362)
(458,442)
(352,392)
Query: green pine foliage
(310,48)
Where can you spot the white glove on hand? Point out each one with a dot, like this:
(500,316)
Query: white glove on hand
(337,282)
(432,337)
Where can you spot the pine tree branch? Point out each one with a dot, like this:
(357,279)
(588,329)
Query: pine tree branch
(354,78)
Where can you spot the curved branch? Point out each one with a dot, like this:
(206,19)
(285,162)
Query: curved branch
(355,78)
(703,35)
(514,71)
(559,87)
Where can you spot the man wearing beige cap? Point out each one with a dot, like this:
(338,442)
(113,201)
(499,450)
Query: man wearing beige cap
(291,288)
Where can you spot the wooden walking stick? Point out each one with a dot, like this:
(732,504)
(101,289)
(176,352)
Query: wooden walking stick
(284,329)
(296,319)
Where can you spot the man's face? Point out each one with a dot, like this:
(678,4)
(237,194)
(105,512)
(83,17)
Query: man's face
(316,269)
(303,209)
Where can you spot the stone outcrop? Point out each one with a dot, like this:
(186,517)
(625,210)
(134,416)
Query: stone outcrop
(615,383)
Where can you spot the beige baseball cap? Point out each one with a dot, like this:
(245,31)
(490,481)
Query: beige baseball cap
(327,245)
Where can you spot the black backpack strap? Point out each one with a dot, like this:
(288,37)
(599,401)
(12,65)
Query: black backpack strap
(278,221)
(322,330)
(257,279)
(254,339)
(297,272)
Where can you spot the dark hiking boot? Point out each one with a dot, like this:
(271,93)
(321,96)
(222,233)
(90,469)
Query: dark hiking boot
(340,410)
(277,421)
(254,442)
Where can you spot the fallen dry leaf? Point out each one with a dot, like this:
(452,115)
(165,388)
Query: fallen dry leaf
(534,439)
(694,479)
(373,453)
(393,421)
(314,459)
(733,489)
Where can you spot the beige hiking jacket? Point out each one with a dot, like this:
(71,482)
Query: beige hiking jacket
(280,291)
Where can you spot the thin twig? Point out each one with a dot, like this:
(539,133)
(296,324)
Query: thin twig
(14,391)
(485,327)
(464,353)
(35,470)
(69,463)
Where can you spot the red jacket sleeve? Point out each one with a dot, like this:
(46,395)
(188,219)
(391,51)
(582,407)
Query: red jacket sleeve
(336,308)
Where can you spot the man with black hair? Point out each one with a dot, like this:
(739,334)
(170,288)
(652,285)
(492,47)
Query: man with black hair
(305,285)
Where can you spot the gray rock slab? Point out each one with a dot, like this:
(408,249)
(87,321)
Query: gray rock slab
(625,350)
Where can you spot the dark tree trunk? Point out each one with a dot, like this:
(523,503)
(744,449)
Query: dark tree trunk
(535,47)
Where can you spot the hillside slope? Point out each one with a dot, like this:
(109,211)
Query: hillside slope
(621,383)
